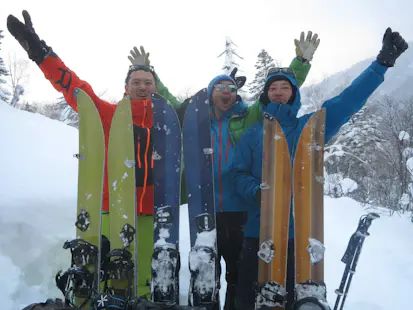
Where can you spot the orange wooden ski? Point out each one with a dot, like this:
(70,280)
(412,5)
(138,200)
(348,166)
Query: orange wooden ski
(275,212)
(308,204)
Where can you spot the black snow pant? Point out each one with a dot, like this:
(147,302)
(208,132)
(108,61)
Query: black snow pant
(230,235)
(248,277)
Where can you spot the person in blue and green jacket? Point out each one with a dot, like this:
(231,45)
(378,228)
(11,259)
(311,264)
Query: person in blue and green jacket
(281,99)
(230,118)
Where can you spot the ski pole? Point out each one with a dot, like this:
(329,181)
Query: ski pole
(351,256)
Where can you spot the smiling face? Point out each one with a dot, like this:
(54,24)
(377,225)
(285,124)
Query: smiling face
(280,91)
(141,85)
(224,95)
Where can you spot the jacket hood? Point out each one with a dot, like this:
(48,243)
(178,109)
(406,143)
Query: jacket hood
(279,110)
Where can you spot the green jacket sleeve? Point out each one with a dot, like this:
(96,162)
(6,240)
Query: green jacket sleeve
(164,92)
(301,70)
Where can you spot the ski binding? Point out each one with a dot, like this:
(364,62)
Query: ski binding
(270,294)
(165,269)
(310,295)
(267,252)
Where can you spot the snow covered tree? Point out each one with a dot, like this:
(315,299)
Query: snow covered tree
(4,93)
(264,62)
(230,53)
(33,107)
(355,150)
(17,93)
(397,123)
(18,77)
(67,114)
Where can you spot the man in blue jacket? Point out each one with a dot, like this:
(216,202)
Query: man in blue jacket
(230,216)
(281,99)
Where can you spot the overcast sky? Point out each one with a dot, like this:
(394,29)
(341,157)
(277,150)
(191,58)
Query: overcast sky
(184,37)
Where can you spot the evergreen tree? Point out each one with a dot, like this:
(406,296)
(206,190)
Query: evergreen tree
(264,62)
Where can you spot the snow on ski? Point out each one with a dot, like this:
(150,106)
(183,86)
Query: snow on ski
(121,275)
(201,208)
(167,179)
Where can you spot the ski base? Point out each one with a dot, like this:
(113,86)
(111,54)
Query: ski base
(202,265)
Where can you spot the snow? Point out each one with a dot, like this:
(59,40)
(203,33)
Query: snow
(407,152)
(409,164)
(38,202)
(206,238)
(404,200)
(348,185)
(404,136)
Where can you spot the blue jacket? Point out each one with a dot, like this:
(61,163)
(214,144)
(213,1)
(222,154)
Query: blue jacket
(223,143)
(248,157)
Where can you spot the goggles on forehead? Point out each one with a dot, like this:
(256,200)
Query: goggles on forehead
(276,70)
(141,67)
(221,87)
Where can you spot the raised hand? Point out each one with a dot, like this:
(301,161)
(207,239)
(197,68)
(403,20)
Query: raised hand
(393,46)
(25,34)
(306,47)
(139,58)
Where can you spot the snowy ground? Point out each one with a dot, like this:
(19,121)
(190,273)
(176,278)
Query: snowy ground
(38,201)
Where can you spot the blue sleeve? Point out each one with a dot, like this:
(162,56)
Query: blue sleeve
(246,184)
(340,108)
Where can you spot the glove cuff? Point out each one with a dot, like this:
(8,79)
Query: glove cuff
(303,60)
(40,52)
(385,62)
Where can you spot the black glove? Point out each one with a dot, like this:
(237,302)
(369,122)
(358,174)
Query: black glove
(233,72)
(393,46)
(27,37)
(239,80)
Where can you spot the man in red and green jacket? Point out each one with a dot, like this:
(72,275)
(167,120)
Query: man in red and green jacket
(141,81)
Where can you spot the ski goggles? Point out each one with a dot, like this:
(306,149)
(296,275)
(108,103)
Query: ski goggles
(221,87)
(142,67)
(275,70)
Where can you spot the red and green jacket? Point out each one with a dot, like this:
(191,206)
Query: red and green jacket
(66,81)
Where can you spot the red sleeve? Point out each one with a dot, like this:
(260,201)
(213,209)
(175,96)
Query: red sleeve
(66,81)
